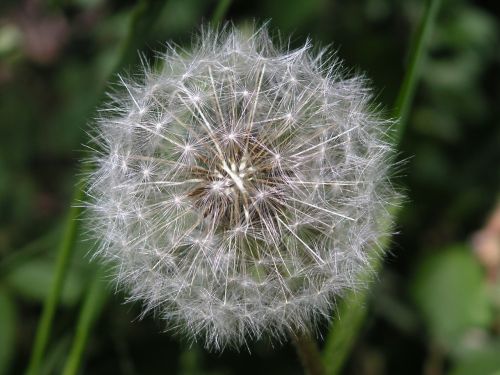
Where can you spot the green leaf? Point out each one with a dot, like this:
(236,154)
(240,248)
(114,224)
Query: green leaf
(33,280)
(484,361)
(8,324)
(451,294)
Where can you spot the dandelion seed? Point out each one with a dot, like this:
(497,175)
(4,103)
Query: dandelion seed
(239,190)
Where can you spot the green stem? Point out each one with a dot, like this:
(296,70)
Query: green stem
(309,354)
(351,313)
(352,310)
(416,59)
(91,308)
(220,12)
(51,302)
(143,16)
(142,19)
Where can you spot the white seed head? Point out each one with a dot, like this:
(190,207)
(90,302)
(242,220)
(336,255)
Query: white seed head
(239,187)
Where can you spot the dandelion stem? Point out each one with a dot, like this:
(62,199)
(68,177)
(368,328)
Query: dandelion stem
(309,354)
(143,16)
(351,313)
(352,309)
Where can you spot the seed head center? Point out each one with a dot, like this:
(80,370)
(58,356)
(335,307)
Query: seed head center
(237,173)
(241,183)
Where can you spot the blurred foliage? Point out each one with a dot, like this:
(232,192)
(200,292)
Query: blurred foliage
(450,292)
(436,308)
(32,280)
(8,328)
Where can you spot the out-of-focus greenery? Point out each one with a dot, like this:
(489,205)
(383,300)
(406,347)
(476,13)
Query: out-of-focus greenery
(436,306)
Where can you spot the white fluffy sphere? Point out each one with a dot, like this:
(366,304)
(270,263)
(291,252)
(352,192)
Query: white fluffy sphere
(239,188)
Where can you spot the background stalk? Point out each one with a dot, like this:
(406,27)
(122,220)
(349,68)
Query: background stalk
(143,17)
(220,12)
(352,310)
(49,308)
(417,57)
(91,309)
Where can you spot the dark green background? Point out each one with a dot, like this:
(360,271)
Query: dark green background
(433,309)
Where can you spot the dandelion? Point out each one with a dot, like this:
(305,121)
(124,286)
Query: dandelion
(239,187)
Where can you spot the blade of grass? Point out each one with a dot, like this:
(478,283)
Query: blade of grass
(416,58)
(220,12)
(144,15)
(50,304)
(54,359)
(91,309)
(142,19)
(352,309)
(8,328)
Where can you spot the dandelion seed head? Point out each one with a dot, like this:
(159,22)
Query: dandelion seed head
(240,188)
